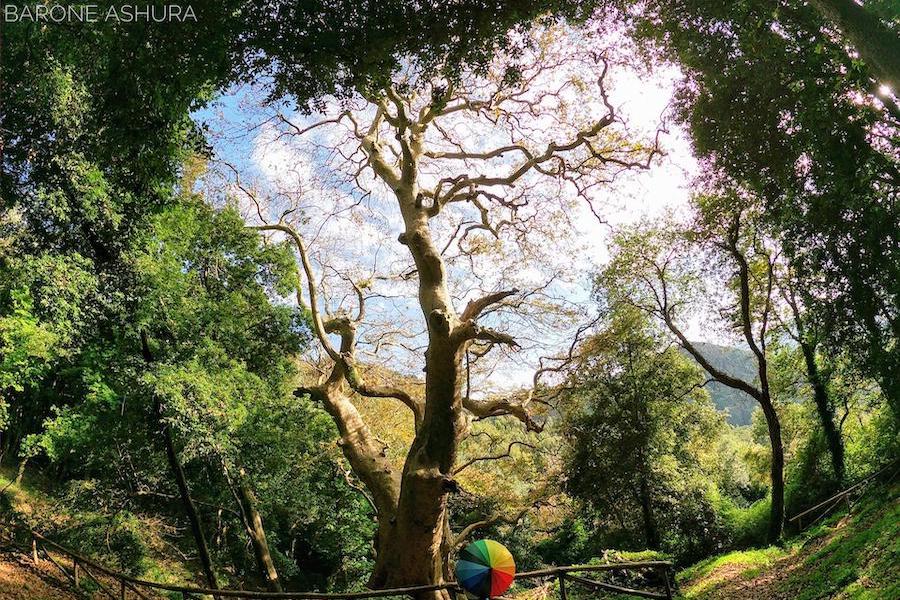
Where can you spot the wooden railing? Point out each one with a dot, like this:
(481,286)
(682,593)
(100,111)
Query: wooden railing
(820,510)
(564,574)
(126,585)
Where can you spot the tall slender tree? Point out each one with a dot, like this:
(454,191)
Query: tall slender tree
(777,106)
(633,404)
(806,333)
(651,271)
(184,492)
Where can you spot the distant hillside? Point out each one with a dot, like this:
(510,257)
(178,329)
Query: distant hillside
(738,363)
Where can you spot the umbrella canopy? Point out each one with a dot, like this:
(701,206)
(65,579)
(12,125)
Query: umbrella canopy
(485,569)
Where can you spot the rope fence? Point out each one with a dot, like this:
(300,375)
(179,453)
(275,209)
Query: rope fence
(127,586)
(829,504)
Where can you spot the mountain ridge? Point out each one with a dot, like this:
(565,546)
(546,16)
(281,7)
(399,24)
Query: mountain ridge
(737,362)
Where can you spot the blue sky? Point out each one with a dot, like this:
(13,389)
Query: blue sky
(364,239)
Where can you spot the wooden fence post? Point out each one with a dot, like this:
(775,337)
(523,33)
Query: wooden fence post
(668,587)
(75,574)
(34,549)
(122,593)
(562,586)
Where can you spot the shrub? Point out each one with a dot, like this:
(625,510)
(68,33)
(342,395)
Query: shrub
(747,527)
(116,541)
(811,479)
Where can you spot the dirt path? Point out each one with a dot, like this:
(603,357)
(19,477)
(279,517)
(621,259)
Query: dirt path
(21,579)
(764,586)
(730,582)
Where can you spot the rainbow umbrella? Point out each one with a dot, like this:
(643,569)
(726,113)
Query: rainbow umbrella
(485,569)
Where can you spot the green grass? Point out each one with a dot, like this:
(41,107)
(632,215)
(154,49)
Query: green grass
(708,574)
(846,558)
(123,541)
(860,560)
(747,560)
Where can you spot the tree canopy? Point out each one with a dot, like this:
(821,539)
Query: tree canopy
(308,295)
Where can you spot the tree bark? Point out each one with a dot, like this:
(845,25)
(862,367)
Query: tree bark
(181,481)
(817,381)
(773,425)
(825,410)
(367,459)
(878,46)
(413,554)
(761,394)
(189,508)
(257,533)
(776,472)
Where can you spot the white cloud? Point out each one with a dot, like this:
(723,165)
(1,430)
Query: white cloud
(354,232)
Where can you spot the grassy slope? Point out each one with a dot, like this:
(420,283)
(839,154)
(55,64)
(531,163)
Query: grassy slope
(36,503)
(855,556)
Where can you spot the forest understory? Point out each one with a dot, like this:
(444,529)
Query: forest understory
(842,557)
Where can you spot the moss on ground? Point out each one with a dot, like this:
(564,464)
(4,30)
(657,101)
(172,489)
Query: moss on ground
(717,570)
(860,560)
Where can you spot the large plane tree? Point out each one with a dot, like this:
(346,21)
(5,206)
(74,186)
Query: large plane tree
(478,181)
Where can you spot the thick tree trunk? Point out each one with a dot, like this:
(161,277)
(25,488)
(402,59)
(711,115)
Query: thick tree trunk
(257,533)
(412,549)
(776,512)
(413,544)
(181,481)
(369,462)
(878,46)
(825,411)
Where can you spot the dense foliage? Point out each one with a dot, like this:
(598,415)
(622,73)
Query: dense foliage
(643,438)
(150,341)
(779,108)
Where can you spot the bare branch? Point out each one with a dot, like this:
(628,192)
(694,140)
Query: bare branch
(475,307)
(513,519)
(470,330)
(496,407)
(318,324)
(361,490)
(506,454)
(717,374)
